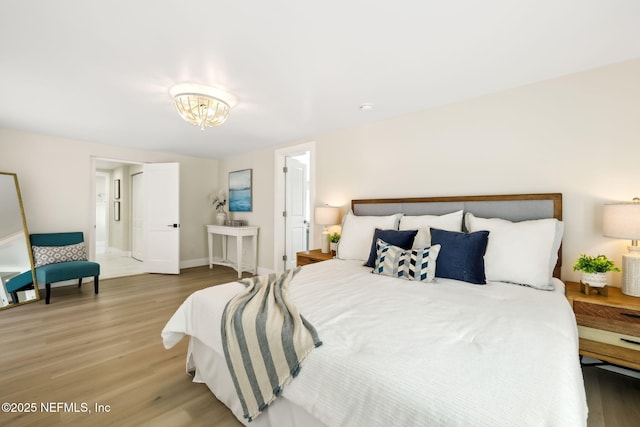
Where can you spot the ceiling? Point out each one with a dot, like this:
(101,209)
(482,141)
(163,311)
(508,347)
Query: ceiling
(100,71)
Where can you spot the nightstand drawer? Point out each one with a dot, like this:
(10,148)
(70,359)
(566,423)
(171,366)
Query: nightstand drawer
(607,317)
(611,353)
(612,338)
(309,260)
(312,256)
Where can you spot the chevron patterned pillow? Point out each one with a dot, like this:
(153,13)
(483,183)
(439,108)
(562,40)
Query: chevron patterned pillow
(43,255)
(410,264)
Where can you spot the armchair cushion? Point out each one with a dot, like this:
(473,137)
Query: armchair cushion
(68,270)
(43,255)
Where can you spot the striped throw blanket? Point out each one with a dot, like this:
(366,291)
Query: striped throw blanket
(265,339)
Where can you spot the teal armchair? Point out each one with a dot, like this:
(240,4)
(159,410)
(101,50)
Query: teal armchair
(70,265)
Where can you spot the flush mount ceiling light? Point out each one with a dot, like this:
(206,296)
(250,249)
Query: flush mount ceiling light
(201,105)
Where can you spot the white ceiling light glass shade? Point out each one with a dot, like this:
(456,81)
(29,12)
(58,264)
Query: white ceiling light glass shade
(201,105)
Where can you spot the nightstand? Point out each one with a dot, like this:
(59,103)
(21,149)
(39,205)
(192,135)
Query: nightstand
(312,256)
(609,326)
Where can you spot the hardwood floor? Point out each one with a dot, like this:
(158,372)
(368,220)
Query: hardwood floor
(613,399)
(106,349)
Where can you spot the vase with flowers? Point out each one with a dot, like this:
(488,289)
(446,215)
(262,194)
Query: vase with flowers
(219,202)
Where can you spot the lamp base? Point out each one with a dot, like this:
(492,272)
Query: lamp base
(325,241)
(631,272)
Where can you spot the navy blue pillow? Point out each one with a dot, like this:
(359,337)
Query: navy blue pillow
(403,239)
(461,255)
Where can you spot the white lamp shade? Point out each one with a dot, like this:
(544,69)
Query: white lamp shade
(621,220)
(327,215)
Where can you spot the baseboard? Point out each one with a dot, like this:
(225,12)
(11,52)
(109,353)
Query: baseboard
(205,261)
(183,264)
(194,262)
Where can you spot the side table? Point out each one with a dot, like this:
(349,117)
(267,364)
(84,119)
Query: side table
(239,233)
(312,256)
(608,326)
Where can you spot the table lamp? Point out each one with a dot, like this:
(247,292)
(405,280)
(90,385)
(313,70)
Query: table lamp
(326,215)
(622,221)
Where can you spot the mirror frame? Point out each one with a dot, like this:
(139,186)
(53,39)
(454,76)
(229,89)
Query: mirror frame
(28,241)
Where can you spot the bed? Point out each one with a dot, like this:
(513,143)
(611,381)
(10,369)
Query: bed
(436,352)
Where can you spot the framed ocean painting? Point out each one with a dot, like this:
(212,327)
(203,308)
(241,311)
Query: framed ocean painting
(240,184)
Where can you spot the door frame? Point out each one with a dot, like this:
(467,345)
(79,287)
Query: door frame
(133,177)
(279,196)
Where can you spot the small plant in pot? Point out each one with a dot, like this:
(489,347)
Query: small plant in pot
(219,202)
(334,238)
(594,269)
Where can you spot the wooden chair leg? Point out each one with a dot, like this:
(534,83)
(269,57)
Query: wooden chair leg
(48,296)
(80,282)
(14,297)
(95,284)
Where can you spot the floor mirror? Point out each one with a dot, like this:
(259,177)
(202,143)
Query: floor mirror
(17,274)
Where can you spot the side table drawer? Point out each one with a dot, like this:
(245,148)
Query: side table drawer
(308,260)
(607,317)
(612,347)
(312,256)
(612,338)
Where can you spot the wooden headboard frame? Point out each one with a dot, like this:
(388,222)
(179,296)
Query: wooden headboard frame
(514,207)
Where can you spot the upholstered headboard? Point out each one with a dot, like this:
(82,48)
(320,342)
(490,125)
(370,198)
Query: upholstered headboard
(514,207)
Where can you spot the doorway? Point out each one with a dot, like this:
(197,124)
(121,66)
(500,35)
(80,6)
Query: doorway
(294,193)
(113,218)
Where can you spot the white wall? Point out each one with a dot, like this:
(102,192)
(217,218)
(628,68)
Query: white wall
(55,181)
(262,204)
(578,135)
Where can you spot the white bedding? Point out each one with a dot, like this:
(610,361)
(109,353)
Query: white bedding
(403,353)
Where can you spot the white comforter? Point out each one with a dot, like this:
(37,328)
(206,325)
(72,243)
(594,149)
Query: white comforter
(401,353)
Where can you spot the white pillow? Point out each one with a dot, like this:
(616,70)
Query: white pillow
(520,252)
(422,223)
(357,234)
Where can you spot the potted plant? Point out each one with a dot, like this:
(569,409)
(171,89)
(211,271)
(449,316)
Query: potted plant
(219,203)
(334,238)
(594,269)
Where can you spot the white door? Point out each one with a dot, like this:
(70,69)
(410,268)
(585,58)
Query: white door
(296,202)
(161,223)
(137,216)
(281,239)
